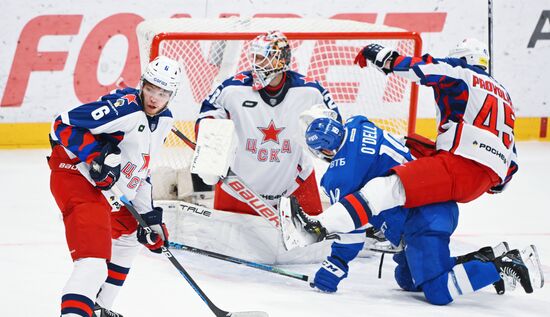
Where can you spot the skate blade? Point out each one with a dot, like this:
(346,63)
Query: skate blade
(501,249)
(530,257)
(292,232)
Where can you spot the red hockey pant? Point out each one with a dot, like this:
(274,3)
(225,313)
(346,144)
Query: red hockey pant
(307,194)
(444,177)
(89,223)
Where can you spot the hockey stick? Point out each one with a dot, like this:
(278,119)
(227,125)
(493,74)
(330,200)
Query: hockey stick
(490,34)
(241,189)
(217,311)
(255,265)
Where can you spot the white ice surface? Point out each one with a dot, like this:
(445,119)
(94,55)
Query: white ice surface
(35,263)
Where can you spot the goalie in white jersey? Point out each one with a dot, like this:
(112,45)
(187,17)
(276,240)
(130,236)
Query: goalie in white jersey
(264,104)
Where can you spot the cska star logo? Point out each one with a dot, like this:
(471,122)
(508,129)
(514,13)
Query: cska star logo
(271,133)
(240,77)
(146,160)
(130,98)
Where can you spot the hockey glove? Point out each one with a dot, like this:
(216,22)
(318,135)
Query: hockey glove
(159,236)
(379,56)
(332,271)
(105,168)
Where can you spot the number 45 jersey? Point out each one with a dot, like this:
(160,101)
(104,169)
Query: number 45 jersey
(474,112)
(118,118)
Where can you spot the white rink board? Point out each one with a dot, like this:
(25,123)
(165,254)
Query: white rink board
(524,71)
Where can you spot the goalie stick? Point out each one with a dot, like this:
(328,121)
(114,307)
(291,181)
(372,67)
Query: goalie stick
(255,265)
(217,311)
(240,188)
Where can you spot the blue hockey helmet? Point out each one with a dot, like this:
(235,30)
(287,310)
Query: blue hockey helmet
(324,137)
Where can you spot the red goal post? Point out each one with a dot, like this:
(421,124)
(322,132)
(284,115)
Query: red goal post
(212,50)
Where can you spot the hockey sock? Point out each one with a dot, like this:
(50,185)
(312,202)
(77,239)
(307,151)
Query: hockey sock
(471,276)
(80,291)
(125,249)
(384,193)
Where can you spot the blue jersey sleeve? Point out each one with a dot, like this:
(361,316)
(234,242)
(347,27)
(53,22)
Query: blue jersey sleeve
(83,129)
(367,152)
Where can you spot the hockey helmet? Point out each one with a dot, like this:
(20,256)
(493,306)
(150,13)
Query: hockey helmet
(163,72)
(324,137)
(269,56)
(473,51)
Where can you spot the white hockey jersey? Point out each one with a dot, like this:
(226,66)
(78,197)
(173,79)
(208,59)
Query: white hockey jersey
(270,157)
(117,118)
(475,116)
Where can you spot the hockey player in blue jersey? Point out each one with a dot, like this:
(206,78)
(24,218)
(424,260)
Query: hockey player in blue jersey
(95,146)
(359,152)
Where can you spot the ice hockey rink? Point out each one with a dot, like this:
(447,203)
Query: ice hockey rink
(35,263)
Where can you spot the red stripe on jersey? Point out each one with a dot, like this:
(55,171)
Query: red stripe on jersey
(65,135)
(359,210)
(77,304)
(87,139)
(456,140)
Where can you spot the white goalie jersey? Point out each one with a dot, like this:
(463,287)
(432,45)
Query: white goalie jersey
(270,157)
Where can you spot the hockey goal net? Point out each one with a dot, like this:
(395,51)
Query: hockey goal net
(212,50)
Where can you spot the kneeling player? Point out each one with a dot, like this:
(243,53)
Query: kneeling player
(359,152)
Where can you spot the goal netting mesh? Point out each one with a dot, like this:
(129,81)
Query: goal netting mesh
(212,50)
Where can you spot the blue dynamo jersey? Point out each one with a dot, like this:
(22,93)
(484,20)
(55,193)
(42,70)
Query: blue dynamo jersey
(367,152)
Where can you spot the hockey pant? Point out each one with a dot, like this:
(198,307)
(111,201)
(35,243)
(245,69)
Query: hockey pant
(102,243)
(307,194)
(443,177)
(426,264)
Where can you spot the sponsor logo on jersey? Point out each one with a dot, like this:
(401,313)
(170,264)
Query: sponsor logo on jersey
(141,128)
(491,150)
(249,104)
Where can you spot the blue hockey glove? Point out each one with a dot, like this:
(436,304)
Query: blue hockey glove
(378,55)
(159,236)
(332,271)
(105,168)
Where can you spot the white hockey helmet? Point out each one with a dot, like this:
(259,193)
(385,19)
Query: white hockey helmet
(163,72)
(473,51)
(269,56)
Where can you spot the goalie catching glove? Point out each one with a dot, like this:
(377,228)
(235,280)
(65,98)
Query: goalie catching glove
(382,58)
(155,238)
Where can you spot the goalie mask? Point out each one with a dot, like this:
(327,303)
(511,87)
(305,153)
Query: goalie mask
(324,137)
(270,56)
(473,51)
(163,72)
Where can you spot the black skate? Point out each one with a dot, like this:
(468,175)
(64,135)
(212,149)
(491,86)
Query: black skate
(104,312)
(523,267)
(298,228)
(487,254)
